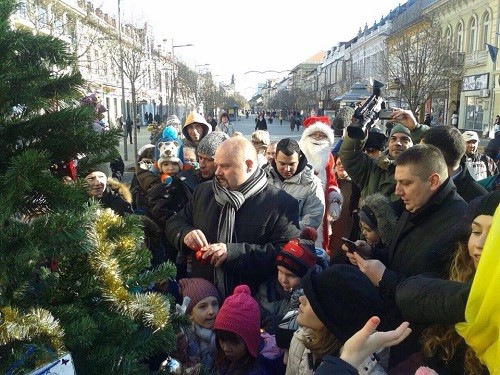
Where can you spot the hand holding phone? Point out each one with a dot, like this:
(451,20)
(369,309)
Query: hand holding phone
(352,247)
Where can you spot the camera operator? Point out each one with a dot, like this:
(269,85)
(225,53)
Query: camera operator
(377,175)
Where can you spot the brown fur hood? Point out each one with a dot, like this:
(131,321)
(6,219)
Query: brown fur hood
(121,189)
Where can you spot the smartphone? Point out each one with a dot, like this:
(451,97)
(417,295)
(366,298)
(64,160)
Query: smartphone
(352,247)
(385,114)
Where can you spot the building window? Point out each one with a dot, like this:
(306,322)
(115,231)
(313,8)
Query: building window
(485,37)
(471,43)
(460,37)
(448,34)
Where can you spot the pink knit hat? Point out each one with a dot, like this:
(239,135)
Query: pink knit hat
(197,289)
(240,314)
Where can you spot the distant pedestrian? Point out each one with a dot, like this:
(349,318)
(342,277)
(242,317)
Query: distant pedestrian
(212,121)
(224,125)
(260,123)
(129,124)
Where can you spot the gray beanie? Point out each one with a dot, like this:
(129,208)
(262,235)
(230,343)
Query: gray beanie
(210,142)
(398,128)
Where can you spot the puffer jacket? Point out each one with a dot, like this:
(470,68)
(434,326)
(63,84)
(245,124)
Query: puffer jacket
(306,188)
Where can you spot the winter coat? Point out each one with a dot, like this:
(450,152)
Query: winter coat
(269,360)
(334,365)
(425,299)
(227,128)
(467,187)
(263,224)
(420,245)
(260,124)
(372,176)
(420,237)
(117,196)
(302,362)
(274,303)
(492,149)
(300,359)
(304,186)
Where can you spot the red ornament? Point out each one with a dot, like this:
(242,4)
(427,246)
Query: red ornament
(199,257)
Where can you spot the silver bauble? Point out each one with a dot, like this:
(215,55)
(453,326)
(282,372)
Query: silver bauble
(171,366)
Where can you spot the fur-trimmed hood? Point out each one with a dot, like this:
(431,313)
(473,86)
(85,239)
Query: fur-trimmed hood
(383,210)
(120,189)
(318,126)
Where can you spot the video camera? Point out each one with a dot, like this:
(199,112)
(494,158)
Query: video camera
(368,113)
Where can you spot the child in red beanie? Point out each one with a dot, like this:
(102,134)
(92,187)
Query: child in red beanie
(279,295)
(243,350)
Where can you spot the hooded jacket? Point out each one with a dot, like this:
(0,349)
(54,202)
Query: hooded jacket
(193,118)
(305,187)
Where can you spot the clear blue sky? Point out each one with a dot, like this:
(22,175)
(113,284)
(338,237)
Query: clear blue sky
(236,37)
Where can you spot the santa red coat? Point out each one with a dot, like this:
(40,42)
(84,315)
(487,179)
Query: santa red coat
(318,153)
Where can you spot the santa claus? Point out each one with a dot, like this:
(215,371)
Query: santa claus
(316,143)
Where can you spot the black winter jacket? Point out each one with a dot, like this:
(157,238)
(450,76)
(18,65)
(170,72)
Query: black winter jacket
(263,224)
(425,299)
(420,241)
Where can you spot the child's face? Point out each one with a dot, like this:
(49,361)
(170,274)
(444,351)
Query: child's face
(287,279)
(205,311)
(371,236)
(234,351)
(189,156)
(307,317)
(170,168)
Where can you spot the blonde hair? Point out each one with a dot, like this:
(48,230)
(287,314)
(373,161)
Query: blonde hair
(443,340)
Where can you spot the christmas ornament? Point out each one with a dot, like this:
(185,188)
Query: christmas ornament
(199,257)
(171,366)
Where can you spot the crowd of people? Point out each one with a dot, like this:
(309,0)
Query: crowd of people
(298,257)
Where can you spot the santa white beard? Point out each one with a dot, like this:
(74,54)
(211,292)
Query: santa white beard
(317,155)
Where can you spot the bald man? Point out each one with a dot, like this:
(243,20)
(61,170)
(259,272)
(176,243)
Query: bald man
(235,225)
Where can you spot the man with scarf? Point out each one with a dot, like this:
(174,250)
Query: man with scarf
(235,224)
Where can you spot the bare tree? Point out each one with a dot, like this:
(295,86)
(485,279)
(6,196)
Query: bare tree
(134,59)
(420,65)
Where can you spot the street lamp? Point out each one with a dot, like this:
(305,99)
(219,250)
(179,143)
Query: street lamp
(174,79)
(125,151)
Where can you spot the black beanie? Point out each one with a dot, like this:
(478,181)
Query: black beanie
(343,298)
(482,205)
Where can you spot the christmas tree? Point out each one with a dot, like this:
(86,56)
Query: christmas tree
(73,277)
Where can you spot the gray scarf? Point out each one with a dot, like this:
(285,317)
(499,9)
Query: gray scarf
(232,200)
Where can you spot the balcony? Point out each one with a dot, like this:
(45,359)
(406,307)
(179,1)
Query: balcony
(475,59)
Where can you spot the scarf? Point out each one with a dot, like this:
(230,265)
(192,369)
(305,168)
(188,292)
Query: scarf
(232,200)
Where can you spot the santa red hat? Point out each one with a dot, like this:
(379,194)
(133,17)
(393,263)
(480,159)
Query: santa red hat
(318,123)
(313,119)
